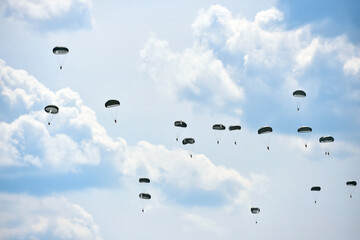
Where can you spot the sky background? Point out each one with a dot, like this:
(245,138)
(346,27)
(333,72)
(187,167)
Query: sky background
(203,62)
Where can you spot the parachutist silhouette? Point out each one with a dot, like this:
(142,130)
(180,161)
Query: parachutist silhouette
(298,109)
(142,210)
(268,148)
(177,139)
(306,145)
(49,123)
(115,120)
(350,196)
(60,67)
(235,142)
(217,142)
(191,155)
(256,222)
(315,201)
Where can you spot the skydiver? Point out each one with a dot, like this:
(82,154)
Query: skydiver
(191,155)
(177,139)
(217,141)
(235,142)
(48,123)
(115,120)
(60,67)
(306,145)
(256,222)
(298,108)
(315,201)
(268,148)
(350,196)
(142,210)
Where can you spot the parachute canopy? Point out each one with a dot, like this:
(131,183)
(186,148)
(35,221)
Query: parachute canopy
(255,210)
(326,139)
(60,50)
(351,183)
(304,129)
(112,103)
(144,196)
(180,124)
(234,127)
(316,188)
(51,109)
(144,180)
(218,127)
(299,93)
(264,130)
(188,141)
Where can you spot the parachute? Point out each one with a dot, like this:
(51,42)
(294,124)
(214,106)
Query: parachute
(51,109)
(232,129)
(144,180)
(316,190)
(265,130)
(255,211)
(326,139)
(305,129)
(299,94)
(179,124)
(146,196)
(112,103)
(351,185)
(187,141)
(60,52)
(218,127)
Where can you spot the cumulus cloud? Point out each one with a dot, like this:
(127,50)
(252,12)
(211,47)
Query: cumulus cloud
(278,58)
(42,12)
(75,138)
(196,69)
(28,217)
(193,221)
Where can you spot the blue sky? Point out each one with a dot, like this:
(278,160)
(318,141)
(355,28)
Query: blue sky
(205,63)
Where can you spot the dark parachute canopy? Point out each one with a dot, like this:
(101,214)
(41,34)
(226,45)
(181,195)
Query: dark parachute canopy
(218,127)
(234,127)
(144,196)
(51,109)
(304,129)
(180,124)
(264,130)
(112,103)
(188,141)
(351,183)
(144,180)
(326,139)
(316,188)
(299,93)
(60,50)
(255,210)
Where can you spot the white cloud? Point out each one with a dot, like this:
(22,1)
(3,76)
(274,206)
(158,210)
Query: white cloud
(28,217)
(45,9)
(196,69)
(75,138)
(352,66)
